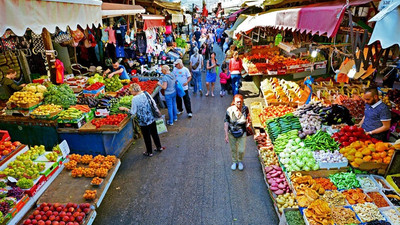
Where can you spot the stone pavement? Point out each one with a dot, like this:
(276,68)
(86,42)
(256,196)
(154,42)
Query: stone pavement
(191,181)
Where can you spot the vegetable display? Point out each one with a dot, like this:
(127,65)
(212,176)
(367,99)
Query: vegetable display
(96,78)
(113,84)
(344,180)
(270,112)
(109,120)
(297,157)
(329,157)
(355,104)
(282,125)
(294,217)
(335,114)
(95,86)
(286,201)
(283,139)
(325,183)
(359,152)
(89,100)
(350,134)
(277,180)
(71,113)
(60,95)
(321,141)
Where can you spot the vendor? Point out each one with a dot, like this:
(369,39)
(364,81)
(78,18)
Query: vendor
(117,69)
(8,83)
(377,117)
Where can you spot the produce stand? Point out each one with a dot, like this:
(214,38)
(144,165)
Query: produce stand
(31,131)
(105,141)
(67,189)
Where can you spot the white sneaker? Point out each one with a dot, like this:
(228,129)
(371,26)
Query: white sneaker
(240,166)
(179,112)
(190,115)
(233,167)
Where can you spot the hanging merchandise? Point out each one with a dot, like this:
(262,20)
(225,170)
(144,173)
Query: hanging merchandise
(151,37)
(104,35)
(168,29)
(59,71)
(120,53)
(111,35)
(37,42)
(77,35)
(8,60)
(62,37)
(141,42)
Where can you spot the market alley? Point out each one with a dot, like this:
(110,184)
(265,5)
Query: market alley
(191,182)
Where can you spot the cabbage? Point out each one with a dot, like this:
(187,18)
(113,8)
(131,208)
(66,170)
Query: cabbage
(315,167)
(306,168)
(41,89)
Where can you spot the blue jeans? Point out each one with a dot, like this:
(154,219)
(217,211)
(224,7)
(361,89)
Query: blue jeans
(197,81)
(171,105)
(235,83)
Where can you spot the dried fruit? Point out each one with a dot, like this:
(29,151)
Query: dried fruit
(97,181)
(88,172)
(86,159)
(90,194)
(77,172)
(70,165)
(75,157)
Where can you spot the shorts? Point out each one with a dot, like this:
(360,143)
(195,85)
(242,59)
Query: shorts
(211,77)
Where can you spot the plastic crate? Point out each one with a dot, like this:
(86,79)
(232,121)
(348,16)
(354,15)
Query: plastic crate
(389,179)
(323,165)
(383,182)
(94,93)
(366,188)
(32,191)
(4,135)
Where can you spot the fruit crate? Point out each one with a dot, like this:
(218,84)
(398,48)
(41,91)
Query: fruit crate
(38,183)
(94,93)
(383,185)
(18,112)
(4,135)
(51,116)
(89,116)
(338,165)
(71,123)
(20,204)
(27,106)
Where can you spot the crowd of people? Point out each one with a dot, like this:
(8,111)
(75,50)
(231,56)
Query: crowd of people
(203,62)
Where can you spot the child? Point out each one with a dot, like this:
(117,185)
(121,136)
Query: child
(223,78)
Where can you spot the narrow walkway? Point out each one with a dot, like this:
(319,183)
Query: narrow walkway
(191,181)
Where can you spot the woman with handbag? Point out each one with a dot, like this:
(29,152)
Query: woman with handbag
(211,76)
(235,130)
(146,111)
(167,83)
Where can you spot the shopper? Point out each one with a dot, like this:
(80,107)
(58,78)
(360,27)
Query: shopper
(182,74)
(226,45)
(142,104)
(211,74)
(235,68)
(197,35)
(235,129)
(205,51)
(167,83)
(224,76)
(9,85)
(229,53)
(376,121)
(117,69)
(196,63)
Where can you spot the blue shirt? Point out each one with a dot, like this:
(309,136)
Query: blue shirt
(142,109)
(124,75)
(170,83)
(374,115)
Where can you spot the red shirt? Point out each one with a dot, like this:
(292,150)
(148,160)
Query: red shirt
(223,77)
(235,65)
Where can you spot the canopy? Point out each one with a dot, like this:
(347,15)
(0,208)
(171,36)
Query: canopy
(177,17)
(256,3)
(153,21)
(387,19)
(18,15)
(316,18)
(239,20)
(233,16)
(114,10)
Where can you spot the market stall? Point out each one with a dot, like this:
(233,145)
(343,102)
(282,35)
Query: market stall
(317,165)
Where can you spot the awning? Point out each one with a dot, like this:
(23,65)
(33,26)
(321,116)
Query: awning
(153,21)
(239,20)
(233,16)
(188,19)
(256,3)
(177,17)
(316,18)
(18,15)
(114,10)
(387,20)
(168,5)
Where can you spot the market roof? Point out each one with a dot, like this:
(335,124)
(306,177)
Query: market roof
(19,15)
(256,3)
(234,15)
(113,9)
(177,16)
(153,21)
(165,5)
(316,18)
(387,19)
(238,21)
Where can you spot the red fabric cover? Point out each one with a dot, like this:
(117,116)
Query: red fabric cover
(148,24)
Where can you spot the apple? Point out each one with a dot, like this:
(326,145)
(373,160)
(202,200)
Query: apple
(76,223)
(75,205)
(52,208)
(72,219)
(69,204)
(38,217)
(43,205)
(62,223)
(49,213)
(76,214)
(55,213)
(36,212)
(58,218)
(34,221)
(42,213)
(69,214)
(44,217)
(31,217)
(57,205)
(46,208)
(86,210)
(71,209)
(59,208)
(41,222)
(55,223)
(78,210)
(79,219)
(27,221)
(65,209)
(52,217)
(66,218)
(48,222)
(62,214)
(70,223)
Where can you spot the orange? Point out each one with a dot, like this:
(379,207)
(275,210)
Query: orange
(383,154)
(387,160)
(380,147)
(358,161)
(355,165)
(367,158)
(366,151)
(375,155)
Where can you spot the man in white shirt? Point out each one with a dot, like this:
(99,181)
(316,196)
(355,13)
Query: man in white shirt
(183,75)
(196,63)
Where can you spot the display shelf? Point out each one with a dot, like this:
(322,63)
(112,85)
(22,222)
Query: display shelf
(90,128)
(23,149)
(20,215)
(12,154)
(68,189)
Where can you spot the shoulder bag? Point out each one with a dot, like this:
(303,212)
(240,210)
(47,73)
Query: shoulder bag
(156,112)
(194,67)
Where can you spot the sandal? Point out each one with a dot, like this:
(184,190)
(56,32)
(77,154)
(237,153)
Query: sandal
(147,154)
(159,150)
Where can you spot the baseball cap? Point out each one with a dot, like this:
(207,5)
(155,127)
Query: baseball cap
(178,61)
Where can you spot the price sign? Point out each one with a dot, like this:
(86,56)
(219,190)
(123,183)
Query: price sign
(12,179)
(64,148)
